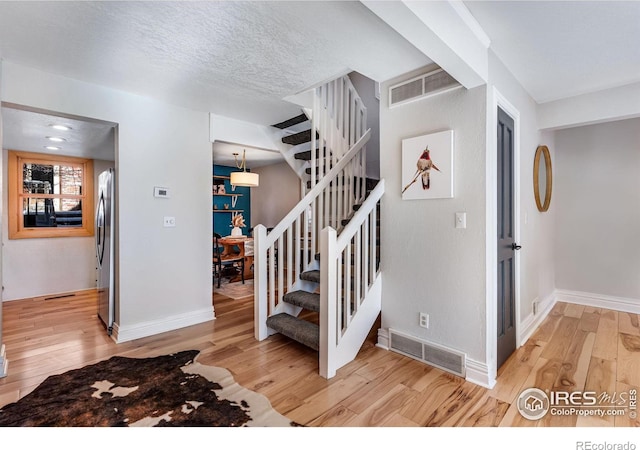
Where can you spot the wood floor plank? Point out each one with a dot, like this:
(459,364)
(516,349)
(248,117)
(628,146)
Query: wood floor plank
(548,326)
(488,412)
(589,321)
(561,338)
(383,408)
(601,379)
(575,365)
(338,416)
(588,347)
(325,399)
(629,359)
(574,311)
(629,323)
(424,406)
(398,421)
(606,344)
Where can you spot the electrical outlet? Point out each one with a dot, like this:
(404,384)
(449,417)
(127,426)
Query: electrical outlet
(169,222)
(424,320)
(536,305)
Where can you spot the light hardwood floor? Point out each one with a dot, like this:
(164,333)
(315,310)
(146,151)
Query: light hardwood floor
(575,348)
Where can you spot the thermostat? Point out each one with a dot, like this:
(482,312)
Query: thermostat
(160,192)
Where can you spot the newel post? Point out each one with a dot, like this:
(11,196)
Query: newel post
(260,282)
(328,302)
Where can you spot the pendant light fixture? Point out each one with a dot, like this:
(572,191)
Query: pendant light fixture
(244,178)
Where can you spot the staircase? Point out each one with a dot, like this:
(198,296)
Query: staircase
(323,257)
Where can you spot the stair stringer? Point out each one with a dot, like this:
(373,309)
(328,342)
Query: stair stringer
(346,320)
(352,340)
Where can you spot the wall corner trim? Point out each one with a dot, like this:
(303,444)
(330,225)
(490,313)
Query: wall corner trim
(478,373)
(4,362)
(383,338)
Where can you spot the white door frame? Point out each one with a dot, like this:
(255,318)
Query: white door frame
(494,100)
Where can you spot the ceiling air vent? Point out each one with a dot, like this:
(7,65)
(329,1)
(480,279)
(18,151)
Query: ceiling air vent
(432,83)
(432,354)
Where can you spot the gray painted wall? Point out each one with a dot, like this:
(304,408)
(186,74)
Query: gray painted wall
(278,193)
(366,88)
(597,192)
(429,265)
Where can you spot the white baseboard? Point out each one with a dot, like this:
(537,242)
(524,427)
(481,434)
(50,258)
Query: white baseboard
(623,304)
(4,362)
(531,323)
(144,329)
(478,373)
(383,338)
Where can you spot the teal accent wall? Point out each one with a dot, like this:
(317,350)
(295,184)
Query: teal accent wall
(222,220)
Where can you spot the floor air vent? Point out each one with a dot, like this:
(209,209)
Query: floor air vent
(432,83)
(432,354)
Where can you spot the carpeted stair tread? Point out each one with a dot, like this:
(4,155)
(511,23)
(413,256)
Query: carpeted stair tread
(298,138)
(311,275)
(306,156)
(291,122)
(299,330)
(303,299)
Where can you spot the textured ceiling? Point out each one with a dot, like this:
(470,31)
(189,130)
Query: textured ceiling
(233,58)
(28,131)
(559,49)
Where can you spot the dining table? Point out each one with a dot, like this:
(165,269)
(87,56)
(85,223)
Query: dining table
(239,246)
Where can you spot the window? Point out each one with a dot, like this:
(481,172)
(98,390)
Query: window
(49,196)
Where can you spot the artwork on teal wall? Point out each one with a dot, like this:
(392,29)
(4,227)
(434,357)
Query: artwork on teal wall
(229,201)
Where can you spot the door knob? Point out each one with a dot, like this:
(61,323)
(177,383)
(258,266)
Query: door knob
(515,246)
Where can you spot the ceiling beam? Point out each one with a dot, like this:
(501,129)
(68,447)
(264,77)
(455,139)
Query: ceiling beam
(445,31)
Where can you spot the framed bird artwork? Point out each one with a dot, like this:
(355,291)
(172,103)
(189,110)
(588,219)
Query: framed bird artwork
(427,166)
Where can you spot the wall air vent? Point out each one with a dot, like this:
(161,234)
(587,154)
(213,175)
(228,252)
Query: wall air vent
(432,83)
(435,355)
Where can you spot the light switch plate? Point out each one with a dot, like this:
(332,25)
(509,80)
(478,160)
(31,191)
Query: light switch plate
(461,220)
(169,222)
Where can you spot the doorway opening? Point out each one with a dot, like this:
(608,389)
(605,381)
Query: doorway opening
(53,196)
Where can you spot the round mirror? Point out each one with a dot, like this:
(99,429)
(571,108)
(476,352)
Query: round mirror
(542,178)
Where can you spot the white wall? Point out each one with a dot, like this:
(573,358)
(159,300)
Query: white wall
(428,265)
(165,273)
(597,191)
(278,193)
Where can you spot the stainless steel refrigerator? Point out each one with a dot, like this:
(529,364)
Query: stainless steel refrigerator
(105,249)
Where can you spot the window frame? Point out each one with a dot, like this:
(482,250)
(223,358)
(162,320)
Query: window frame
(17,230)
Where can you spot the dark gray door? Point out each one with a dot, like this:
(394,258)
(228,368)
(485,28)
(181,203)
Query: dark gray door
(506,243)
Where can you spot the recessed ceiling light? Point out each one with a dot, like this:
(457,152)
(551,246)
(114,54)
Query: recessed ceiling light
(56,139)
(60,127)
(52,147)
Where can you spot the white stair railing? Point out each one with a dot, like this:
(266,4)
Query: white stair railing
(291,247)
(339,119)
(350,285)
(337,183)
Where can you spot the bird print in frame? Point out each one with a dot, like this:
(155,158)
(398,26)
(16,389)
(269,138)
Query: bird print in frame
(427,166)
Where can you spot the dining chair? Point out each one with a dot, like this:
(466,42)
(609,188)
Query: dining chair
(220,261)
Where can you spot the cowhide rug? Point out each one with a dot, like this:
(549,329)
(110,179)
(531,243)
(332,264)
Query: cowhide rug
(166,391)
